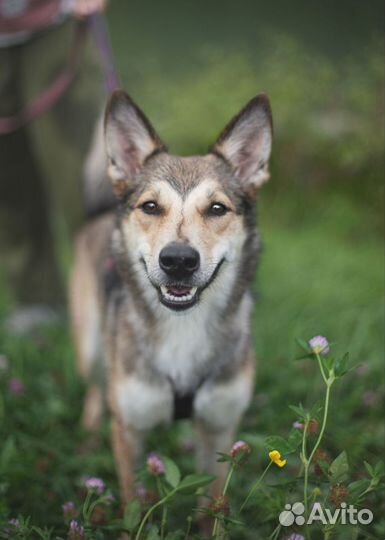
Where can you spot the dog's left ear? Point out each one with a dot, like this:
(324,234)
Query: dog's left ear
(130,139)
(246,142)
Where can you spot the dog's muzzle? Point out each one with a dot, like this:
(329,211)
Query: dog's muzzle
(180,289)
(179,262)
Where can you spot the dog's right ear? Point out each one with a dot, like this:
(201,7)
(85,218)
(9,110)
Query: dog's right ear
(130,139)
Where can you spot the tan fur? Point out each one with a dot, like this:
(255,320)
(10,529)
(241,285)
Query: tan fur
(124,442)
(85,311)
(84,286)
(93,408)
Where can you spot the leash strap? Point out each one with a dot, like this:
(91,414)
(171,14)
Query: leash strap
(99,31)
(55,90)
(60,85)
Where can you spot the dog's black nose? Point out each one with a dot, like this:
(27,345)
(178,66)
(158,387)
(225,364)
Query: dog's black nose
(179,260)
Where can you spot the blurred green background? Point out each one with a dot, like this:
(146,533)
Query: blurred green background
(191,66)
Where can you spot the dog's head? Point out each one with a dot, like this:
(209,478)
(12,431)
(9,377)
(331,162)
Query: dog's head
(185,224)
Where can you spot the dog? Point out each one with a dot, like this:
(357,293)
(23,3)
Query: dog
(160,291)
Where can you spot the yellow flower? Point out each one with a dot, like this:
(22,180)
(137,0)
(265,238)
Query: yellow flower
(275,457)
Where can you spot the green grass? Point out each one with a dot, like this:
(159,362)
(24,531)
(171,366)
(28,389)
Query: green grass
(317,275)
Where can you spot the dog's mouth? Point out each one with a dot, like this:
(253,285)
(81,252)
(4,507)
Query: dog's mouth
(181,296)
(178,297)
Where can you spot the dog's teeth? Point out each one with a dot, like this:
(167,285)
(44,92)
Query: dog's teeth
(172,298)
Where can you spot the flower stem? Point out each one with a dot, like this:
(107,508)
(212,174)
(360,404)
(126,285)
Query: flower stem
(307,461)
(304,451)
(151,510)
(324,420)
(228,478)
(86,504)
(189,523)
(321,368)
(164,509)
(362,495)
(275,533)
(254,487)
(92,508)
(163,522)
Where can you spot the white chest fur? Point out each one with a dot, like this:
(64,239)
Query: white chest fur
(186,344)
(184,347)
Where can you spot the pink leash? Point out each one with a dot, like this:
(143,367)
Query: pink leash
(60,85)
(100,34)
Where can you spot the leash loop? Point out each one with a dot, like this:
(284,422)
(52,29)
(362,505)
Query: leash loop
(62,82)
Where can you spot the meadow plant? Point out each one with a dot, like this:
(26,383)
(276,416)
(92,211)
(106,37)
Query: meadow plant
(296,477)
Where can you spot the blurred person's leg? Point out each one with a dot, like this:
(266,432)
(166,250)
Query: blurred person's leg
(63,136)
(27,259)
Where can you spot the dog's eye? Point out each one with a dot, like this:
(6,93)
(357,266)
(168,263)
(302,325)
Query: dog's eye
(217,209)
(151,208)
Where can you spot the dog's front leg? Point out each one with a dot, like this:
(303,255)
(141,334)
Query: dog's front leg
(137,405)
(209,443)
(126,439)
(125,442)
(218,407)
